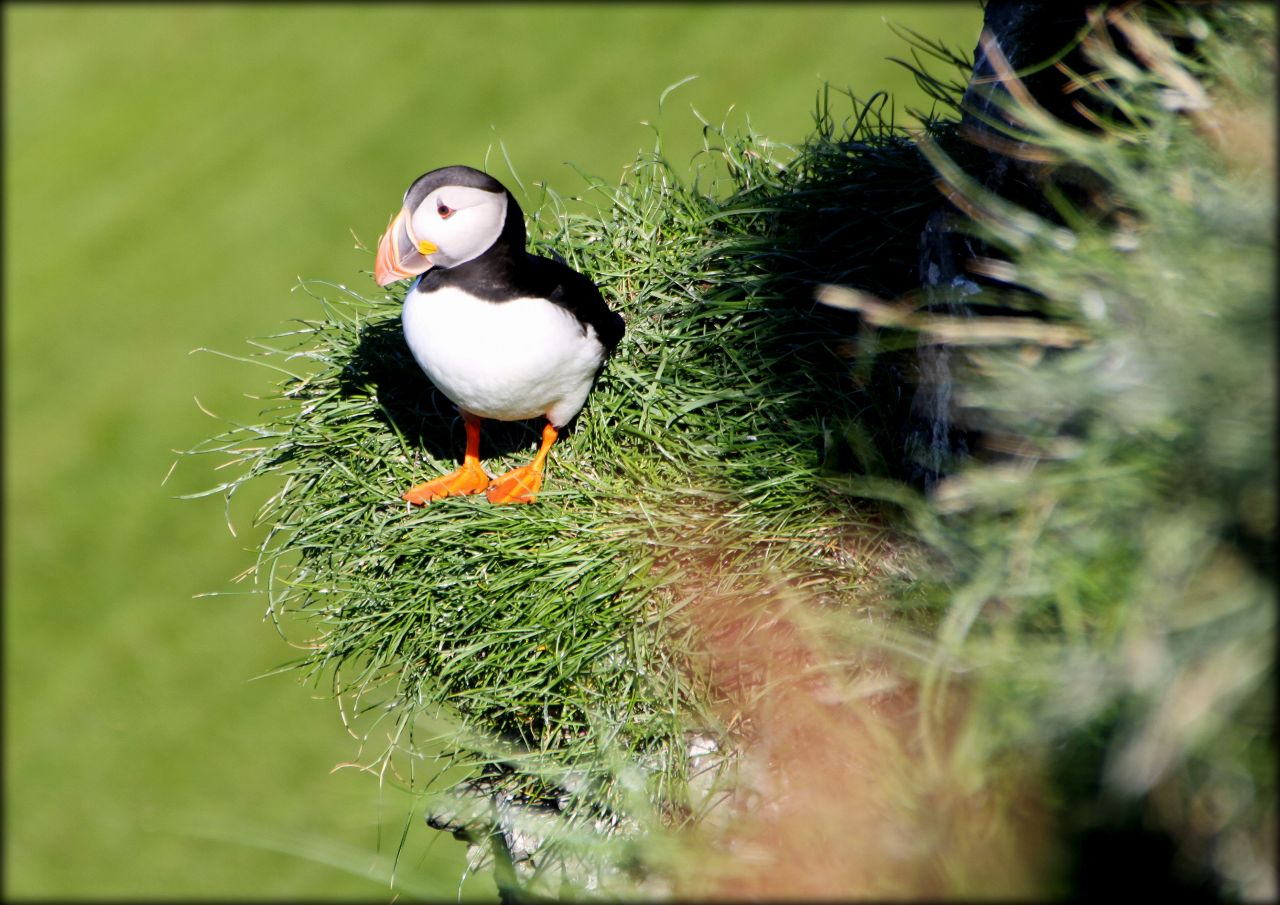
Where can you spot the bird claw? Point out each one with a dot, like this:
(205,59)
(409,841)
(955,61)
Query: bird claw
(520,485)
(470,478)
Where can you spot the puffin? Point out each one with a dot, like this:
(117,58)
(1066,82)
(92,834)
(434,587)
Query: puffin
(504,334)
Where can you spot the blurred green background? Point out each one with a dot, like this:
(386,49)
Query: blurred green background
(169,173)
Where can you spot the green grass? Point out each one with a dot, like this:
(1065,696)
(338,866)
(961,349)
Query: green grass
(1085,604)
(169,173)
(547,629)
(551,634)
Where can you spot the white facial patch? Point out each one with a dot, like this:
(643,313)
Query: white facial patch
(462,222)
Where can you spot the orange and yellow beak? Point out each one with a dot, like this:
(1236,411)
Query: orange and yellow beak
(400,254)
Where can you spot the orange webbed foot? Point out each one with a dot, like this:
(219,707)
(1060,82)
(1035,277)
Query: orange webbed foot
(470,478)
(520,485)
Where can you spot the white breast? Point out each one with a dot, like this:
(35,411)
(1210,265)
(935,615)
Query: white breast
(504,360)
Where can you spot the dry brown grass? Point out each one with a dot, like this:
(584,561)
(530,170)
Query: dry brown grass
(837,792)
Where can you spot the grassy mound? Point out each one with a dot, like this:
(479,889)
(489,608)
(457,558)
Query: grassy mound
(547,636)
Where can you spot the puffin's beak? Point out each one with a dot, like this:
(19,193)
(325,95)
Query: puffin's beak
(400,255)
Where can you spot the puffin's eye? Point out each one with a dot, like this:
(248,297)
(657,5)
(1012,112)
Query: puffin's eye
(444,211)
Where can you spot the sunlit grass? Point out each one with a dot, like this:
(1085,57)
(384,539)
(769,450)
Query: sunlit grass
(544,627)
(169,171)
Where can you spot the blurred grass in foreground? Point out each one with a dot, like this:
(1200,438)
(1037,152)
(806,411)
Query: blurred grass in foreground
(1081,678)
(1118,564)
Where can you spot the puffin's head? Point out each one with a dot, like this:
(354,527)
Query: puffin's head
(450,216)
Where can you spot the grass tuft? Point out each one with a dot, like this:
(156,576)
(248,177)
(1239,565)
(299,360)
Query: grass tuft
(549,634)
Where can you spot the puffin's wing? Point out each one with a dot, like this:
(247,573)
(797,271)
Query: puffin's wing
(576,293)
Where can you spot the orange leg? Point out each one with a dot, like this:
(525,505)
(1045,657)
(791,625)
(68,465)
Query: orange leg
(521,485)
(470,478)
